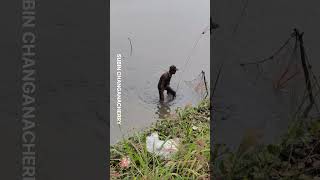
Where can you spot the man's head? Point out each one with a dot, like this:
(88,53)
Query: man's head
(172,69)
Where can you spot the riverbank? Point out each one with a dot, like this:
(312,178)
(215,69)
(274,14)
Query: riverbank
(130,159)
(297,156)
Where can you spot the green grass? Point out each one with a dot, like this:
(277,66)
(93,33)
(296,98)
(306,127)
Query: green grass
(297,156)
(190,162)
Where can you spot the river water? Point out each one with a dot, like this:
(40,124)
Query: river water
(163,33)
(265,25)
(151,35)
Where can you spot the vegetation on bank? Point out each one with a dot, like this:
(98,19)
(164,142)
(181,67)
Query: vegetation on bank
(131,160)
(297,156)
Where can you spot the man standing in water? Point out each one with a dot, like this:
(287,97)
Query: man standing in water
(164,83)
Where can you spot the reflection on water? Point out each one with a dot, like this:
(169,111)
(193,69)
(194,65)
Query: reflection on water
(163,110)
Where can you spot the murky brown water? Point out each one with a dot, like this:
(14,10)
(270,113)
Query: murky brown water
(162,33)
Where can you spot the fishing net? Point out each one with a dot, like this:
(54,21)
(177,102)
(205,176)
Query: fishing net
(284,75)
(199,85)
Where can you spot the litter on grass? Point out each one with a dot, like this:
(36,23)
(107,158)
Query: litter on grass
(125,162)
(161,148)
(195,127)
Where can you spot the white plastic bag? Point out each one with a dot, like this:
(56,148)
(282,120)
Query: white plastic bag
(162,148)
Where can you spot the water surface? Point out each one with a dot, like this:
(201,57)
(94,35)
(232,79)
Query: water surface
(151,35)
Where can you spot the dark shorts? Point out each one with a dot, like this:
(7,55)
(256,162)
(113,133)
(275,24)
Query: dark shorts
(169,91)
